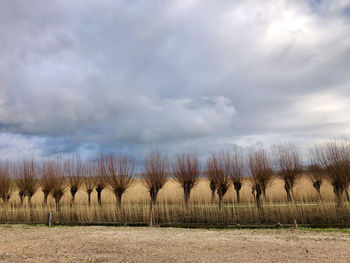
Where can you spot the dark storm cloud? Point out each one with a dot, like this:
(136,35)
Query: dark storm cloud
(131,75)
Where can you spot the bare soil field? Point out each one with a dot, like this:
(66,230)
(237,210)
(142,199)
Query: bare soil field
(23,243)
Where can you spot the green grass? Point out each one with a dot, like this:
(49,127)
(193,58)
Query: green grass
(328,229)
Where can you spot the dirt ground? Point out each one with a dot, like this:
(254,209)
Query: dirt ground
(22,243)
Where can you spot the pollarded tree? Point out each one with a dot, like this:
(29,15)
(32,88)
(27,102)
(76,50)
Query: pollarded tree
(216,169)
(212,183)
(47,179)
(261,172)
(156,171)
(289,167)
(89,187)
(28,174)
(186,170)
(316,175)
(5,182)
(20,183)
(315,172)
(334,157)
(88,181)
(120,174)
(99,177)
(74,169)
(236,168)
(59,182)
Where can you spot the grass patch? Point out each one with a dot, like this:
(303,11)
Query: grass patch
(329,229)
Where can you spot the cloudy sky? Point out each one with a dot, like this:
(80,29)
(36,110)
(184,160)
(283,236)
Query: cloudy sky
(89,76)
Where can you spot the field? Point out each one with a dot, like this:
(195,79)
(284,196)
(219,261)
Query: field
(306,208)
(127,244)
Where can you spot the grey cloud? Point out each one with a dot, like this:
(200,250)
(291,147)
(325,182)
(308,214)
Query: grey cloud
(98,75)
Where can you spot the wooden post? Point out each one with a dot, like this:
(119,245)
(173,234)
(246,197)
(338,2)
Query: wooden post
(295,224)
(49,219)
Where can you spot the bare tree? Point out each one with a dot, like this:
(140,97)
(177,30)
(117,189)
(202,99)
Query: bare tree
(315,175)
(186,169)
(100,176)
(155,175)
(289,167)
(334,157)
(236,168)
(20,183)
(27,172)
(212,183)
(315,172)
(89,187)
(261,172)
(120,174)
(47,179)
(74,168)
(59,183)
(156,171)
(88,180)
(216,169)
(5,182)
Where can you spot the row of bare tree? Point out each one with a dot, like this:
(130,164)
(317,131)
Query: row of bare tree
(329,160)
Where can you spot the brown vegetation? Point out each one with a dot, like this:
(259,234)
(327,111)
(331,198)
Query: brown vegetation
(28,178)
(289,167)
(236,169)
(119,174)
(315,172)
(89,186)
(58,181)
(47,179)
(217,170)
(334,157)
(261,173)
(186,170)
(328,167)
(74,169)
(156,171)
(100,173)
(5,182)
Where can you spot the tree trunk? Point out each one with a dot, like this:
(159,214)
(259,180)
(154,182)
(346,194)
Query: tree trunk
(187,194)
(317,186)
(118,197)
(238,198)
(21,197)
(257,197)
(238,187)
(73,192)
(57,201)
(46,195)
(99,191)
(153,194)
(338,192)
(89,198)
(288,189)
(212,188)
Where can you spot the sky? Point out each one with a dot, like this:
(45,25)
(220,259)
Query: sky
(190,75)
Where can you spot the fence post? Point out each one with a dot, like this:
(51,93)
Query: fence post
(295,224)
(49,219)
